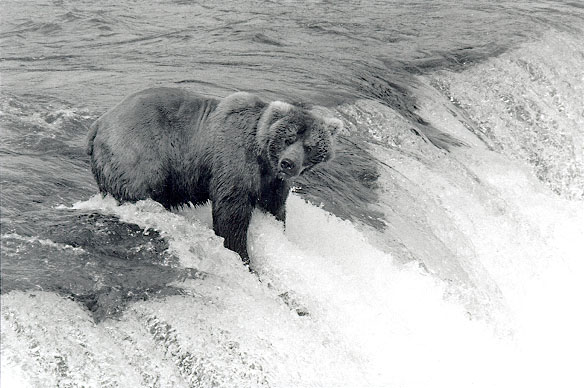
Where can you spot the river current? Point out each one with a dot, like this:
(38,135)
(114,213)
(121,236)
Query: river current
(443,247)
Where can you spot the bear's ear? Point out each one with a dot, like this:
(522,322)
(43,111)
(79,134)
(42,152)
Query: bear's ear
(334,125)
(273,112)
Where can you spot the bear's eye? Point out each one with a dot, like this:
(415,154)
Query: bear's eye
(289,141)
(308,149)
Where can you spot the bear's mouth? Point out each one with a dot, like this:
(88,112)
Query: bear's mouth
(283,175)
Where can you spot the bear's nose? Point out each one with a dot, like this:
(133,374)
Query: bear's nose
(287,165)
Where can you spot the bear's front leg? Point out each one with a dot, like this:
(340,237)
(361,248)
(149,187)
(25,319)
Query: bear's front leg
(273,198)
(231,217)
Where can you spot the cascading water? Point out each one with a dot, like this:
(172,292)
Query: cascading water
(443,249)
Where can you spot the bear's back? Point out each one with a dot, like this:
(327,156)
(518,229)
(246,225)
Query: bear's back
(158,116)
(165,109)
(143,146)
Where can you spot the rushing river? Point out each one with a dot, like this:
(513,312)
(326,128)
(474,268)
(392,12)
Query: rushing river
(443,248)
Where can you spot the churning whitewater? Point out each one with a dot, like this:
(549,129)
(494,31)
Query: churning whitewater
(446,252)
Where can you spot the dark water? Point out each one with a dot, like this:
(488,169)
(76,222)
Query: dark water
(451,108)
(323,51)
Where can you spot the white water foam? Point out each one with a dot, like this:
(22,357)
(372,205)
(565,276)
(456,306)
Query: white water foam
(43,242)
(333,304)
(369,317)
(372,321)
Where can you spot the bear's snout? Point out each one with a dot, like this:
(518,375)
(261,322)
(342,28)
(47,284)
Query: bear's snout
(290,163)
(289,168)
(287,165)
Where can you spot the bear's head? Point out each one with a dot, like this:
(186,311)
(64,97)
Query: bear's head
(294,139)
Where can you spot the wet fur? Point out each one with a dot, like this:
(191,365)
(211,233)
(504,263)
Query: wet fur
(177,147)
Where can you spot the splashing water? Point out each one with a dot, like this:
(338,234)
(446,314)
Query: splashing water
(457,262)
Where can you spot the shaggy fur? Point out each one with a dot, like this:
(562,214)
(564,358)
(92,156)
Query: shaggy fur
(176,147)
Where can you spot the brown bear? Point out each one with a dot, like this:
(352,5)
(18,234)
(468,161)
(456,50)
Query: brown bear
(177,147)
